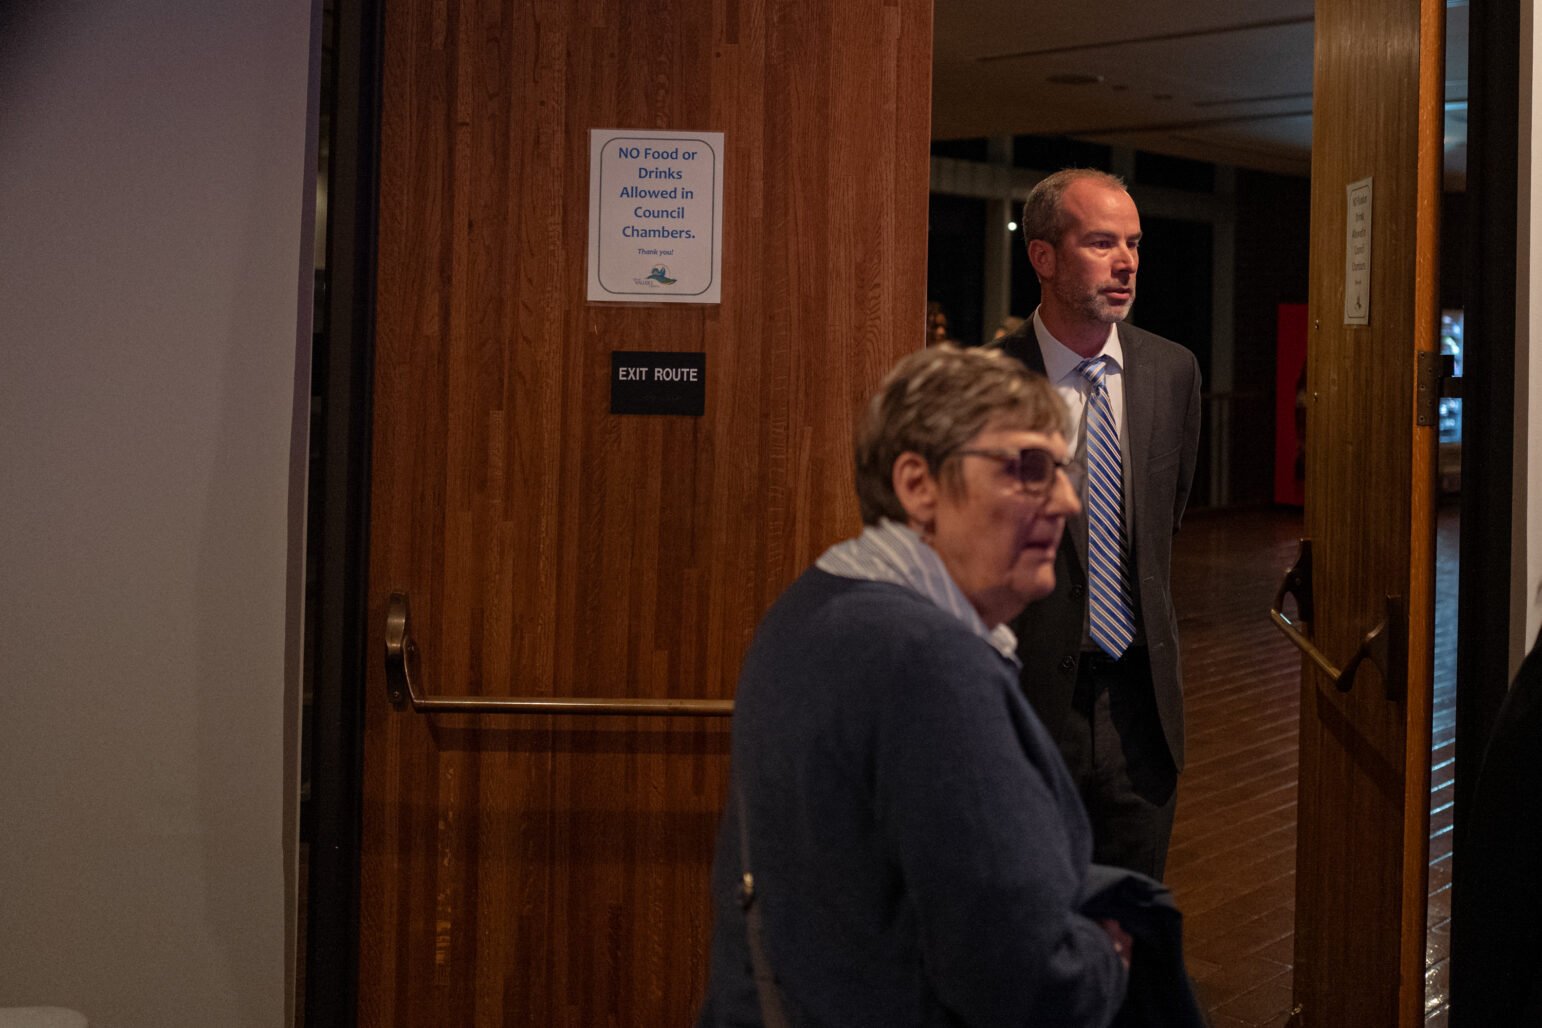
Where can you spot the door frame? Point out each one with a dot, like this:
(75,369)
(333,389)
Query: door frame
(338,553)
(1488,418)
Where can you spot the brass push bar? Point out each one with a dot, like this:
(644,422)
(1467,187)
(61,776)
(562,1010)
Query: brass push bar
(401,671)
(1382,645)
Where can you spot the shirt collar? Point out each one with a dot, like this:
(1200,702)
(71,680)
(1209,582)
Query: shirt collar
(892,552)
(1060,360)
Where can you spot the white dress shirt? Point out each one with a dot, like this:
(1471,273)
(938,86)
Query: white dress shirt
(1060,368)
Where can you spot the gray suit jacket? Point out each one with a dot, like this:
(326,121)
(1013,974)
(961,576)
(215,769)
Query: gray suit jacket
(1161,422)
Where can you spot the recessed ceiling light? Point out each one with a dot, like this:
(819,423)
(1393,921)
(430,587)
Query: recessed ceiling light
(1073,78)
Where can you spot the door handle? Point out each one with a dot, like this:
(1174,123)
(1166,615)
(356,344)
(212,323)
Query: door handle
(401,663)
(1383,645)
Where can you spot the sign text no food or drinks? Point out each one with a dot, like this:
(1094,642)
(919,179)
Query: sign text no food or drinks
(1357,253)
(655,216)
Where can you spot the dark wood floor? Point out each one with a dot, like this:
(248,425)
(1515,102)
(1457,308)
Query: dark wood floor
(1232,866)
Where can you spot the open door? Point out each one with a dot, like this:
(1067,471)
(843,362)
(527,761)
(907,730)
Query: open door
(548,865)
(1365,587)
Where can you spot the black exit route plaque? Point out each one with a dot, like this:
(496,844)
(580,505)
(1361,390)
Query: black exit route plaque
(658,382)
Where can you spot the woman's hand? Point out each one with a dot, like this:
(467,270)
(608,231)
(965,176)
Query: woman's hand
(1123,944)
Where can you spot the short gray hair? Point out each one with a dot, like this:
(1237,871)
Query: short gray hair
(1044,213)
(935,401)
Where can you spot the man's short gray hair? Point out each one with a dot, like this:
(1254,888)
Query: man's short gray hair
(934,402)
(1043,212)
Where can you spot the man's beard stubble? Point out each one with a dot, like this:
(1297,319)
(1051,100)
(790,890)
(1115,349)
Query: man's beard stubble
(1099,309)
(1094,306)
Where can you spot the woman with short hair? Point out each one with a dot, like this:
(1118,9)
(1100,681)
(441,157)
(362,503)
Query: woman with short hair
(902,843)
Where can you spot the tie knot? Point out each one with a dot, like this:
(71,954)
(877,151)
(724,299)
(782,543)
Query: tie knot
(1093,369)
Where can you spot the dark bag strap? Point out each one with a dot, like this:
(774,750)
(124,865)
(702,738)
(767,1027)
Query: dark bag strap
(771,1012)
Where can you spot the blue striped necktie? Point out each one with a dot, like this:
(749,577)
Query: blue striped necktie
(1108,589)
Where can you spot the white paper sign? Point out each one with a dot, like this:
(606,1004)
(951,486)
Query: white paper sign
(1357,254)
(655,216)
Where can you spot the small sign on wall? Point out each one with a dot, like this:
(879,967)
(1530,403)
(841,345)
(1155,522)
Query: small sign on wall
(658,382)
(1357,254)
(655,216)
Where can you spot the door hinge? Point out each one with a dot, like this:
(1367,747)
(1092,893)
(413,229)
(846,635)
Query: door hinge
(1435,377)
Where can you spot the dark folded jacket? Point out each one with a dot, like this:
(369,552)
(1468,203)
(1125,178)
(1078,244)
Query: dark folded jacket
(1159,994)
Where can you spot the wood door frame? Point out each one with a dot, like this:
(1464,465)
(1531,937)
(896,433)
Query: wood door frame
(339,558)
(1488,416)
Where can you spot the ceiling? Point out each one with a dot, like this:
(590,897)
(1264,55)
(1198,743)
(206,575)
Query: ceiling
(1228,81)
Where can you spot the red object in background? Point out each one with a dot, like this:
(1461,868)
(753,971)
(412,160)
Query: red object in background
(1290,405)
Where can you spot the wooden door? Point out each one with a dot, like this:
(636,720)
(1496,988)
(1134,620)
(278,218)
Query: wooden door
(541,870)
(1362,865)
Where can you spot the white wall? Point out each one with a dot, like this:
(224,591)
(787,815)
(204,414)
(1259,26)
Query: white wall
(154,332)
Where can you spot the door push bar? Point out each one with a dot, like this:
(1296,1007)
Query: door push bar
(1384,645)
(401,662)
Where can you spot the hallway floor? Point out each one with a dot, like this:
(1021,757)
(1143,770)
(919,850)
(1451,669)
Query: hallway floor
(1232,864)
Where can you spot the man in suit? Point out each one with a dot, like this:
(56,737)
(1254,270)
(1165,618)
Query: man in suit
(1100,654)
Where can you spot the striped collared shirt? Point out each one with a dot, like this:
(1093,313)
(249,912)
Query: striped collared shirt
(891,552)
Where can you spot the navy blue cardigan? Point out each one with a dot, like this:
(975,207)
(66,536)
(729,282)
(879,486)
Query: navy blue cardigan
(918,847)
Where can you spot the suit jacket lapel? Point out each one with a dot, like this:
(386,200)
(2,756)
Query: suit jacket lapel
(1139,406)
(1024,345)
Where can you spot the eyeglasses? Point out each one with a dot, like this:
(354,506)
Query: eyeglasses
(1034,467)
